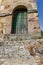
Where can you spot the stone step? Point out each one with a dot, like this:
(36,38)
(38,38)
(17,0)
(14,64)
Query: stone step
(18,36)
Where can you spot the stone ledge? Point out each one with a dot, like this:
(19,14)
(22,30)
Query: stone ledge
(10,13)
(16,37)
(5,14)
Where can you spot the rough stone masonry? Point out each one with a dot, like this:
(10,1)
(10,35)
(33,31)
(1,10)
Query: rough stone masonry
(7,7)
(20,49)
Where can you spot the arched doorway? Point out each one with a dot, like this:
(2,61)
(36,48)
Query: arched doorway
(19,20)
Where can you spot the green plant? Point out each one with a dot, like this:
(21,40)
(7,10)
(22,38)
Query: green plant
(42,33)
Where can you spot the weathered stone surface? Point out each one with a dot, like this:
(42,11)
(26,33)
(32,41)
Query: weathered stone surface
(21,51)
(6,9)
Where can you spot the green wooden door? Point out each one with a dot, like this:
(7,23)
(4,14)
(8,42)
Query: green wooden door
(20,24)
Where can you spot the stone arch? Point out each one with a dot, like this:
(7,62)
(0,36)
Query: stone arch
(20,8)
(27,5)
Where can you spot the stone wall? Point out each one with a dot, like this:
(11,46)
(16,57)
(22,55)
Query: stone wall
(20,51)
(9,44)
(6,9)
